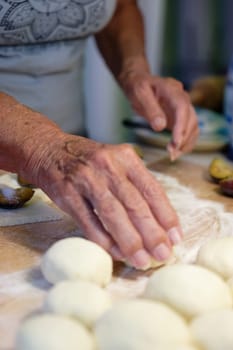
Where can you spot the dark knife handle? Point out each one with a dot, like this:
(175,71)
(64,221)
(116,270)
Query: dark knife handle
(136,124)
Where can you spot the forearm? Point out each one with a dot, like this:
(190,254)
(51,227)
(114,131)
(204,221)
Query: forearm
(122,40)
(22,133)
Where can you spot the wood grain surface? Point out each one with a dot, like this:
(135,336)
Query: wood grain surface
(22,246)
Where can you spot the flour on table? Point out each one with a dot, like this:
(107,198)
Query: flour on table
(200,219)
(38,209)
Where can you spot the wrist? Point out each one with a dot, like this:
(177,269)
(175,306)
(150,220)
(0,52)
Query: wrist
(40,149)
(134,65)
(24,133)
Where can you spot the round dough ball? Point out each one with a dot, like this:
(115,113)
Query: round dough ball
(77,258)
(214,331)
(140,324)
(83,300)
(53,332)
(189,289)
(217,255)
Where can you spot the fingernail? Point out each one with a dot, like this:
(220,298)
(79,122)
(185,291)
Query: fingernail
(161,252)
(158,123)
(140,259)
(174,235)
(116,253)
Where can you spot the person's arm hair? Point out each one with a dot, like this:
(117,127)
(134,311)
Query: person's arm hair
(121,42)
(22,132)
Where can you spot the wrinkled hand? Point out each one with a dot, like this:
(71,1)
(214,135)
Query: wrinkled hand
(113,197)
(164,104)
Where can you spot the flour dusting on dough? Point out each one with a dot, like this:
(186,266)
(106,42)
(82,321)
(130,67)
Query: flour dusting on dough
(200,219)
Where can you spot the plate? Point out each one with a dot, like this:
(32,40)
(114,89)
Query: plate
(213,133)
(161,140)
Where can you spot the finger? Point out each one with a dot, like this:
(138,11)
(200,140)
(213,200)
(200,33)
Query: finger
(181,110)
(92,228)
(191,131)
(189,144)
(149,107)
(116,222)
(154,237)
(173,151)
(175,103)
(156,198)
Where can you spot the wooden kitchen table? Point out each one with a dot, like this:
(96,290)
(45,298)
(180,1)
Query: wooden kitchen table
(22,287)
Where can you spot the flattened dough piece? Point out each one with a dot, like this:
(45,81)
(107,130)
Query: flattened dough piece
(214,331)
(82,300)
(52,332)
(77,258)
(140,324)
(217,255)
(189,289)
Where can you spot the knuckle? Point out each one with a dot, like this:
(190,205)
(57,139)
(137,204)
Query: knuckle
(102,155)
(140,87)
(132,246)
(127,150)
(171,221)
(104,198)
(176,83)
(142,84)
(156,192)
(154,239)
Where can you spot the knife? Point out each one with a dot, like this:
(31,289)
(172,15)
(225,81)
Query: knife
(135,124)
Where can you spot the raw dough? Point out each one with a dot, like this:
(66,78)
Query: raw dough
(77,258)
(140,325)
(214,331)
(83,300)
(51,332)
(217,255)
(189,289)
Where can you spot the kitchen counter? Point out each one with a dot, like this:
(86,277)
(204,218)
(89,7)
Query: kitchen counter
(22,286)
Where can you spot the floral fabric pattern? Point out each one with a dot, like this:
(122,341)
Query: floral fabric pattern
(38,21)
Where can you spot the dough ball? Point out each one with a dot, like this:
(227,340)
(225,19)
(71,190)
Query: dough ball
(189,289)
(140,324)
(77,258)
(53,332)
(83,300)
(217,255)
(214,331)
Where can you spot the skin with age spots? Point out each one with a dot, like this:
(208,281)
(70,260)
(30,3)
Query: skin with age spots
(100,198)
(106,188)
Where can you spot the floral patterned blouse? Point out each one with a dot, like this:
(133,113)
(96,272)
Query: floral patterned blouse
(41,50)
(36,21)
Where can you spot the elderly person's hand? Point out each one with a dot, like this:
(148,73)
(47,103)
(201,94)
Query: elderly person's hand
(163,103)
(109,192)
